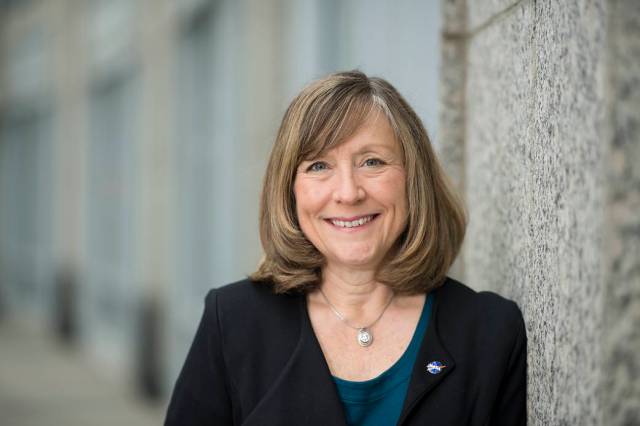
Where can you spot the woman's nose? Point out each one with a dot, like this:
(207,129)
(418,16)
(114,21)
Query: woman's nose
(347,187)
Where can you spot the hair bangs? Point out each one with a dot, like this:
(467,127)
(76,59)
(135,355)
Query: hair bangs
(335,121)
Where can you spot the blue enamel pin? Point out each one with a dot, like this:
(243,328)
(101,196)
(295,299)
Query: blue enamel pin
(435,367)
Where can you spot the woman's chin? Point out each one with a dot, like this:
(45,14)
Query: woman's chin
(355,262)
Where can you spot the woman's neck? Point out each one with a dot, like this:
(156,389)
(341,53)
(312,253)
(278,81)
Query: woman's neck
(355,293)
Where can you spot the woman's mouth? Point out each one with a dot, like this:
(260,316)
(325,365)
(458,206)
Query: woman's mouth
(352,222)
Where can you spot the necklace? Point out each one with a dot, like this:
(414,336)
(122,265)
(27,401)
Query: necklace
(365,336)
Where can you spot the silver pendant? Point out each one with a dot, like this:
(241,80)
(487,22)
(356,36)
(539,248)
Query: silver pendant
(365,338)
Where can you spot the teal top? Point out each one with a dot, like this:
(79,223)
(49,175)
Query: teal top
(379,401)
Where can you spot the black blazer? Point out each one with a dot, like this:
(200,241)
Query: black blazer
(256,361)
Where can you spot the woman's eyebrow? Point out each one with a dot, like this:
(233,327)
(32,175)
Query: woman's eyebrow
(312,158)
(373,147)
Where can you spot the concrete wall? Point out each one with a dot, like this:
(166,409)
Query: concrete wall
(621,343)
(539,126)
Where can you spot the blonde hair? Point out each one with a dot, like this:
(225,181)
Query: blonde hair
(326,113)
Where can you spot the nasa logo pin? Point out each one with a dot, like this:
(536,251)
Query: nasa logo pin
(435,367)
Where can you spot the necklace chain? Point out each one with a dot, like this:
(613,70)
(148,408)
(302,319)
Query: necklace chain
(346,321)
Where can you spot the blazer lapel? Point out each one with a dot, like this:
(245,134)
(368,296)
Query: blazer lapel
(305,393)
(432,353)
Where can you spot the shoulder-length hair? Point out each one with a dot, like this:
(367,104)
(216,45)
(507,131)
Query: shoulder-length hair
(326,113)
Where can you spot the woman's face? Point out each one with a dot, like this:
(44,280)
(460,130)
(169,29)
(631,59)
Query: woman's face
(351,201)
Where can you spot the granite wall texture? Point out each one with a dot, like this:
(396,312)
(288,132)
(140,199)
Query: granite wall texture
(544,155)
(621,343)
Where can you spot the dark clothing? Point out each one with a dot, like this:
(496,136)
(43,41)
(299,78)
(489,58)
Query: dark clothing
(255,360)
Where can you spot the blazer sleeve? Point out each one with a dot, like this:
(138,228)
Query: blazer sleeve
(511,405)
(201,393)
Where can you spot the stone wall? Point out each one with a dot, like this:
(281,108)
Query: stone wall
(539,127)
(621,344)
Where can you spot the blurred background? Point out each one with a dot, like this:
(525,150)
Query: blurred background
(133,140)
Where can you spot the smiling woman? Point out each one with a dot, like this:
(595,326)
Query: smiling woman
(350,201)
(350,317)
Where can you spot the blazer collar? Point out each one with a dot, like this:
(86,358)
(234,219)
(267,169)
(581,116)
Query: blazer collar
(305,392)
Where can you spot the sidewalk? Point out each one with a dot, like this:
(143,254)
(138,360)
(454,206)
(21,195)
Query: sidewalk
(43,383)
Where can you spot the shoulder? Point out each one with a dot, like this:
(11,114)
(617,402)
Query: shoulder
(249,298)
(248,311)
(466,302)
(472,316)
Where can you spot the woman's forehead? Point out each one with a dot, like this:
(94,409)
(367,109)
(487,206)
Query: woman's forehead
(372,136)
(375,126)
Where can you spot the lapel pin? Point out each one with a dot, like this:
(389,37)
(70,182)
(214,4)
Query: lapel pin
(435,367)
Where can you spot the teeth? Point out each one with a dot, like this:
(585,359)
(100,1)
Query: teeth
(352,224)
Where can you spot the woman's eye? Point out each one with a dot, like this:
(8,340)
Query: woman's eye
(372,162)
(318,166)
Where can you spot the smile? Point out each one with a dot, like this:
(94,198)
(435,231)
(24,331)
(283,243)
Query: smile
(352,223)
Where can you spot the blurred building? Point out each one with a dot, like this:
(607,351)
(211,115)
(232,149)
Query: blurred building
(133,140)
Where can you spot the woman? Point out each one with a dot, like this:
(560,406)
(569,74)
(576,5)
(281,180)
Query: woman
(350,317)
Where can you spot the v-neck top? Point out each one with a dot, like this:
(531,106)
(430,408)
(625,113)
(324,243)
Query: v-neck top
(379,401)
